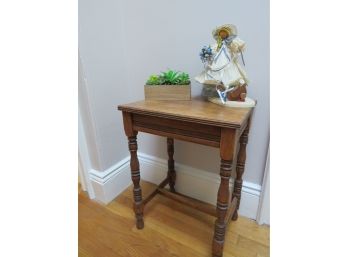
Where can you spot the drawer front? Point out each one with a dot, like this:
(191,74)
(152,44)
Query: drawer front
(183,130)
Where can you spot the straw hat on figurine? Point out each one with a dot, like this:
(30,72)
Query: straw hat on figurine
(229,28)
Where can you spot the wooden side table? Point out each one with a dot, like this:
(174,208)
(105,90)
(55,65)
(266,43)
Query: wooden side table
(199,122)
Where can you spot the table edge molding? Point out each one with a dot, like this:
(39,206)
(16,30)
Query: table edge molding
(183,118)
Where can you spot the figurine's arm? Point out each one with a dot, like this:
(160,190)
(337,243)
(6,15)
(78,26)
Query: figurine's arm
(237,45)
(213,50)
(214,47)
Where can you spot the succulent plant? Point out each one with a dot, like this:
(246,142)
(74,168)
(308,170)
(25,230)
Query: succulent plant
(169,77)
(153,80)
(183,78)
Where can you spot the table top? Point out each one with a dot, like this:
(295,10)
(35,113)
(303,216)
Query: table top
(198,111)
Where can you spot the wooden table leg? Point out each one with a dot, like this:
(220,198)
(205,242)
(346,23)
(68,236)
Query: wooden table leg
(171,170)
(134,163)
(227,149)
(238,183)
(138,204)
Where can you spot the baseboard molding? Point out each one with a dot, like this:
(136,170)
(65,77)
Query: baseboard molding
(110,183)
(196,183)
(199,184)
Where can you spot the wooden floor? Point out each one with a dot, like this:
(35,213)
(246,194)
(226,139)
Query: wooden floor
(171,229)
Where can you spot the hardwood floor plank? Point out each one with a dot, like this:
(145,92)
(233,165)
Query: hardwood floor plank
(84,253)
(171,229)
(251,230)
(136,240)
(253,246)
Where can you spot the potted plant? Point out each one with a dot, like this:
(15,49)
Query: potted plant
(169,85)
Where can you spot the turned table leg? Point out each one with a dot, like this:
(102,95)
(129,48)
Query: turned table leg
(171,170)
(138,204)
(227,149)
(134,164)
(221,207)
(238,183)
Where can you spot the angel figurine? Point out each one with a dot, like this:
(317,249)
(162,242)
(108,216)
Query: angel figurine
(222,68)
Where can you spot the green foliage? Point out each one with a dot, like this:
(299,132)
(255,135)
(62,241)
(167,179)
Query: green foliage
(153,80)
(183,79)
(169,77)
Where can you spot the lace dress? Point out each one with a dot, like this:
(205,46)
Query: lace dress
(224,66)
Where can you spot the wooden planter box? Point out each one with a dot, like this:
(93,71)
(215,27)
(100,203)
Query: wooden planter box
(167,92)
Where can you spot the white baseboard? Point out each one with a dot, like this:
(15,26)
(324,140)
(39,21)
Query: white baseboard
(199,184)
(110,183)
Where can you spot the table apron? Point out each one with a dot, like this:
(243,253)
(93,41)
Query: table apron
(178,129)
